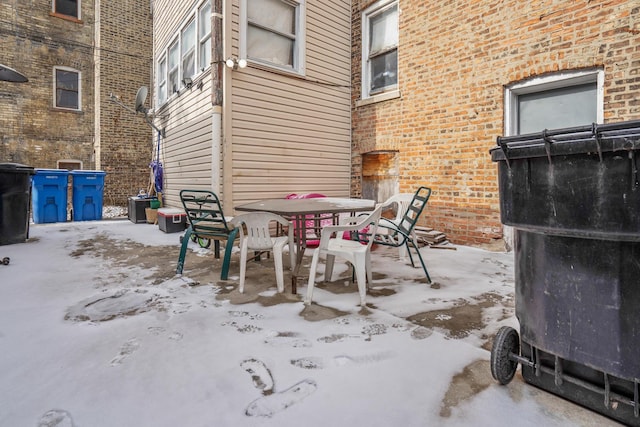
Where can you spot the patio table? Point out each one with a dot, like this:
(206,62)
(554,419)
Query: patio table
(300,211)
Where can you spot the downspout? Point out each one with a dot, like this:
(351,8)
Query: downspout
(217,72)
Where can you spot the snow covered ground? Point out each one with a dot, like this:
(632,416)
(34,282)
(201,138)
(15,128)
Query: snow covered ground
(97,330)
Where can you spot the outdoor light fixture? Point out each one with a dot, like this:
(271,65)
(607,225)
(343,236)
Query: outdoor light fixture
(235,63)
(187,82)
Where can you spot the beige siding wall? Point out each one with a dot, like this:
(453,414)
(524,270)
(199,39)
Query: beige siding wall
(282,133)
(187,158)
(186,117)
(290,134)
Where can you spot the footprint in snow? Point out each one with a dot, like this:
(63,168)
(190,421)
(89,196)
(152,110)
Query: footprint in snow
(260,375)
(126,350)
(56,418)
(339,360)
(267,406)
(273,402)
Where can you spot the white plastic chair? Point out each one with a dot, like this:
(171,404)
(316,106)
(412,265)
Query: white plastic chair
(402,201)
(356,253)
(255,235)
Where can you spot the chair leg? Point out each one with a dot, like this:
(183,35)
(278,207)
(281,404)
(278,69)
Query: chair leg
(227,254)
(243,265)
(368,269)
(312,276)
(424,267)
(292,254)
(277,262)
(361,278)
(328,268)
(408,249)
(183,250)
(402,251)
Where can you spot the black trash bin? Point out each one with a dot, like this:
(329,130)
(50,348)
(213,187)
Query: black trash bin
(573,198)
(15,197)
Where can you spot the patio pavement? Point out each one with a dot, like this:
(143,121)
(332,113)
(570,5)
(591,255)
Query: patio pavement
(97,330)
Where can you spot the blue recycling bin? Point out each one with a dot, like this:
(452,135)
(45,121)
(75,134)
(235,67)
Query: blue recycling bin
(49,195)
(87,197)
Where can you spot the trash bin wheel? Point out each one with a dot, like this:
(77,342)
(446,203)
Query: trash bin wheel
(507,342)
(5,260)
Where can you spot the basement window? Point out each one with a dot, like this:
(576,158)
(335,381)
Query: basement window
(67,7)
(69,164)
(554,101)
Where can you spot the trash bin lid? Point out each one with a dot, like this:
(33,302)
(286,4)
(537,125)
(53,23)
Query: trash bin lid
(51,171)
(594,138)
(16,168)
(86,172)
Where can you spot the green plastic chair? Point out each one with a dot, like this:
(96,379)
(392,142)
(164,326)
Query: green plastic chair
(399,233)
(206,221)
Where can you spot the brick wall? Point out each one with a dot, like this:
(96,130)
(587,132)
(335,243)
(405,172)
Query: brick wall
(102,135)
(124,64)
(455,59)
(33,42)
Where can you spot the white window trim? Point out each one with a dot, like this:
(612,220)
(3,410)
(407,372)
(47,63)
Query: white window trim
(79,17)
(162,80)
(63,161)
(55,88)
(164,53)
(548,82)
(189,50)
(170,89)
(299,67)
(392,91)
(202,40)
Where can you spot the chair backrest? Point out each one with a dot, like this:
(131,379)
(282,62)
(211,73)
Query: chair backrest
(403,200)
(313,226)
(370,224)
(365,226)
(258,226)
(204,213)
(414,210)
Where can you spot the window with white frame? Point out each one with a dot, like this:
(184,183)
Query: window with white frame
(174,68)
(380,48)
(204,36)
(162,80)
(188,50)
(559,100)
(188,54)
(272,33)
(66,93)
(67,7)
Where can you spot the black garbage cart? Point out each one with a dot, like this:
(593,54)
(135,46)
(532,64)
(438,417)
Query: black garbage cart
(15,202)
(573,198)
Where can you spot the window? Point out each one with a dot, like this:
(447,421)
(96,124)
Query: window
(272,33)
(162,80)
(69,164)
(204,36)
(66,88)
(174,67)
(188,55)
(379,48)
(188,50)
(67,7)
(556,101)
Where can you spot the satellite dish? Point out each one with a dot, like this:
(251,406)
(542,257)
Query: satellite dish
(10,75)
(141,97)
